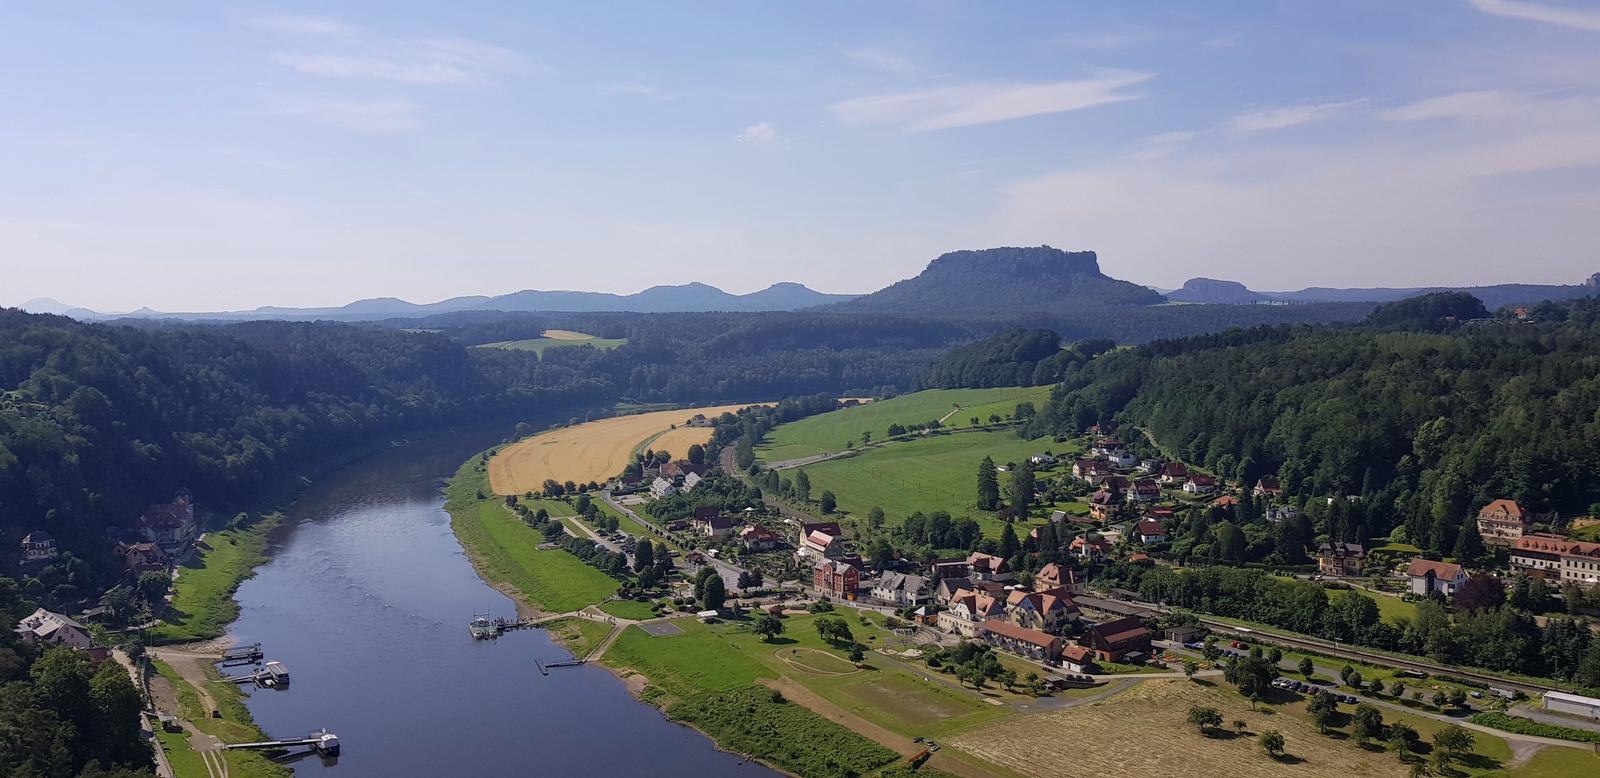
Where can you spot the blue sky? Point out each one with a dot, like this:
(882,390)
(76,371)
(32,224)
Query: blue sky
(211,156)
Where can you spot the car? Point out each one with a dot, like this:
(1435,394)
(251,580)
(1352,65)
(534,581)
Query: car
(918,739)
(1349,700)
(1237,644)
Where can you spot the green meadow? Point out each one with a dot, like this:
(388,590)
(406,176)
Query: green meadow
(566,338)
(829,432)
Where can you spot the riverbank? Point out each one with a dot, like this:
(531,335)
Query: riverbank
(505,552)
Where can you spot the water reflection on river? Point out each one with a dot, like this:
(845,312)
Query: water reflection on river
(366,600)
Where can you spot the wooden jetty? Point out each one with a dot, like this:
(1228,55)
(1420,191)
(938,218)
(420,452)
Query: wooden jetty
(546,667)
(322,741)
(273,676)
(242,654)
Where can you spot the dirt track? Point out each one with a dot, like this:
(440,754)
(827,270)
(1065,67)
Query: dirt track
(593,451)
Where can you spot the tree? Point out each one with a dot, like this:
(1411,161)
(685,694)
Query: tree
(857,653)
(1190,667)
(715,593)
(827,502)
(1322,707)
(153,585)
(749,579)
(1271,742)
(644,556)
(1368,722)
(802,486)
(866,437)
(1400,737)
(768,626)
(1009,546)
(697,454)
(1275,655)
(1008,679)
(583,503)
(834,629)
(1307,667)
(1454,740)
(1440,698)
(988,485)
(1458,697)
(1240,725)
(1376,687)
(1022,489)
(1252,675)
(875,517)
(1205,719)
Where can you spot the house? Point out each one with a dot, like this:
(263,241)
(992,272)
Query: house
(1149,531)
(901,590)
(1042,460)
(1048,611)
(988,567)
(1556,559)
(1091,548)
(1019,640)
(690,480)
(1149,466)
(1121,458)
(1105,447)
(170,525)
(625,484)
(715,526)
(662,487)
(947,588)
(1428,577)
(1053,576)
(1340,559)
(819,544)
(1277,513)
(1114,483)
(682,468)
(836,579)
(1226,501)
(1187,633)
(1115,641)
(1174,474)
(45,628)
(1090,470)
(941,569)
(1077,659)
(1501,522)
(1162,514)
(1267,486)
(700,420)
(1057,517)
(1144,490)
(1103,505)
(967,610)
(758,538)
(1139,558)
(141,557)
(1200,484)
(38,547)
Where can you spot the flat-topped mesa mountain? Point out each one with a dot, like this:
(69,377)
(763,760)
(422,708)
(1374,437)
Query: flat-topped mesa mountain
(1005,280)
(1211,290)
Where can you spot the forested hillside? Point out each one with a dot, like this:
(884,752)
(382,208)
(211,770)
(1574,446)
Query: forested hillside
(1012,358)
(1422,423)
(97,421)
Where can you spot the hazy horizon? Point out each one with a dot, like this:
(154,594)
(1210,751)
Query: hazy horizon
(205,158)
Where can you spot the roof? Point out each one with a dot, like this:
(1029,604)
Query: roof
(830,527)
(1023,634)
(1139,557)
(1121,630)
(1076,654)
(1508,508)
(901,582)
(1268,483)
(1201,479)
(1342,549)
(989,562)
(820,538)
(717,521)
(1226,500)
(1420,567)
(1572,698)
(44,623)
(1555,544)
(1175,469)
(706,511)
(758,533)
(1149,527)
(1084,540)
(834,567)
(1146,485)
(37,536)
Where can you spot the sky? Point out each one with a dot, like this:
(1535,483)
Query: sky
(210,156)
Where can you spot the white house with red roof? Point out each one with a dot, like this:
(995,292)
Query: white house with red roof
(1427,576)
(1501,522)
(1149,531)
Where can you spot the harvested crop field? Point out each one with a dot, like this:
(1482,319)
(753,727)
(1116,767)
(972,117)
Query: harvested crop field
(1142,732)
(592,451)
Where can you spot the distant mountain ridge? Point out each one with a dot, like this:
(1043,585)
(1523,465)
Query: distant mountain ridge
(681,298)
(1210,290)
(1008,279)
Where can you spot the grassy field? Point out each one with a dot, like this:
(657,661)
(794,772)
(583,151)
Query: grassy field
(633,610)
(1556,763)
(1390,609)
(505,551)
(202,597)
(830,431)
(936,473)
(234,726)
(592,451)
(580,636)
(557,339)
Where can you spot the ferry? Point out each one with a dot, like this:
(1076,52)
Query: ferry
(482,628)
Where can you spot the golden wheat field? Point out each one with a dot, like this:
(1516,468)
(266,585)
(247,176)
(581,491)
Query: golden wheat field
(1142,732)
(596,450)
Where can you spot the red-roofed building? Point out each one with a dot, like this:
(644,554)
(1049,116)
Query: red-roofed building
(1267,486)
(1114,641)
(758,538)
(141,557)
(967,610)
(1501,522)
(1054,576)
(836,579)
(1174,474)
(1103,505)
(1428,577)
(1077,659)
(1019,640)
(1090,470)
(1091,548)
(1556,559)
(1225,501)
(1144,490)
(1200,484)
(171,525)
(1149,531)
(1040,610)
(988,567)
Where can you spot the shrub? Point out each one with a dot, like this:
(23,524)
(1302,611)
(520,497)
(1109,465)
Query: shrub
(1522,726)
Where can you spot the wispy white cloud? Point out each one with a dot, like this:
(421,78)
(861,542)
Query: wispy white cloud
(885,59)
(1118,37)
(758,134)
(1574,18)
(381,114)
(293,24)
(1459,105)
(422,73)
(965,105)
(1266,119)
(645,91)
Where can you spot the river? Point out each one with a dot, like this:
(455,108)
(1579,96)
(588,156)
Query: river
(366,600)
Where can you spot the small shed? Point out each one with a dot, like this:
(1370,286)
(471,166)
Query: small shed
(1184,634)
(1572,704)
(706,616)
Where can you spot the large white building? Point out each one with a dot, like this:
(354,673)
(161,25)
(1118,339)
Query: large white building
(1562,702)
(45,628)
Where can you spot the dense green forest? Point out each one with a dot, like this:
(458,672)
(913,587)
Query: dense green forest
(1420,413)
(1015,357)
(60,713)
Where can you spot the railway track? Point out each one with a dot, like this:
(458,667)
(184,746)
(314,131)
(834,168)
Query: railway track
(1327,647)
